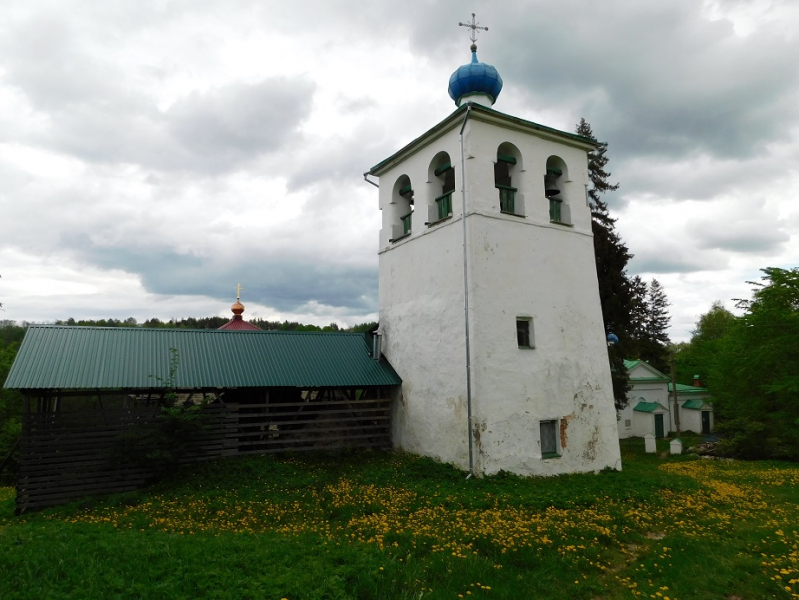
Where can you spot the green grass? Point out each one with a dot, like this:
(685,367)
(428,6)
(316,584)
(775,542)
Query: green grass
(382,525)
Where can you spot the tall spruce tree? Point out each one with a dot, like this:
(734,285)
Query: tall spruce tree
(639,311)
(597,161)
(612,256)
(658,317)
(650,322)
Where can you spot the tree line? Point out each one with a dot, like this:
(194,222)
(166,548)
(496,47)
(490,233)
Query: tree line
(213,323)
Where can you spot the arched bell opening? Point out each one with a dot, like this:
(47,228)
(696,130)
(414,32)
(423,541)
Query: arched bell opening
(401,209)
(441,176)
(555,179)
(507,170)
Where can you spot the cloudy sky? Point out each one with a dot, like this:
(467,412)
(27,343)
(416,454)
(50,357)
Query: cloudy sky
(155,154)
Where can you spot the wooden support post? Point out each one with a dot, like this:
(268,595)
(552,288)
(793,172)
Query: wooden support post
(674,394)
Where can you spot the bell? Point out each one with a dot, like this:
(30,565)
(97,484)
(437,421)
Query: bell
(550,185)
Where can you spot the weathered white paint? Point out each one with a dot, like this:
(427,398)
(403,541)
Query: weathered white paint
(675,446)
(519,266)
(650,444)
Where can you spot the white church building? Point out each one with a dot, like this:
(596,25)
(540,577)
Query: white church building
(489,306)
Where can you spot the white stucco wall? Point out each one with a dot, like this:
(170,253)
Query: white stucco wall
(643,423)
(691,419)
(518,267)
(523,269)
(421,319)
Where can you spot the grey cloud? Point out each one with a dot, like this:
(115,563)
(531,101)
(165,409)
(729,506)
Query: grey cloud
(656,79)
(100,115)
(694,176)
(286,286)
(240,120)
(744,236)
(347,159)
(283,285)
(44,59)
(673,81)
(674,258)
(214,132)
(356,105)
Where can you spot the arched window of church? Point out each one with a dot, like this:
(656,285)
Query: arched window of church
(555,180)
(507,168)
(401,209)
(442,178)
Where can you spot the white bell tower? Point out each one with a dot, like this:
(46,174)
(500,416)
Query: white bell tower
(489,304)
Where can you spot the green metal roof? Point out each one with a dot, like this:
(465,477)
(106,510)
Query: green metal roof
(454,120)
(648,407)
(656,375)
(689,389)
(694,404)
(62,357)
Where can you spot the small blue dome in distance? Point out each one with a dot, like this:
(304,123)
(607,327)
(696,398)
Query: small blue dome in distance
(475,78)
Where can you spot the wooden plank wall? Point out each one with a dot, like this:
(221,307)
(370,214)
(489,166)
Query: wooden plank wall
(68,455)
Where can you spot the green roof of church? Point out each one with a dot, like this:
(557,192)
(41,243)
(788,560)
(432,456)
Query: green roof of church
(648,407)
(631,364)
(681,388)
(62,357)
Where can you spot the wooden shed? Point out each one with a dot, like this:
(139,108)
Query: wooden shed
(87,389)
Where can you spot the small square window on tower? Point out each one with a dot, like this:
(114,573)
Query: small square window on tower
(550,448)
(524,332)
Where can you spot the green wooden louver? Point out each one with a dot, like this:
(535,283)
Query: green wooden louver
(444,203)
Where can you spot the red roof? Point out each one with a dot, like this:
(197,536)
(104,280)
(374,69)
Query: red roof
(237,323)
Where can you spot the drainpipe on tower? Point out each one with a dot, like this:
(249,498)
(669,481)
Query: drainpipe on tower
(469,418)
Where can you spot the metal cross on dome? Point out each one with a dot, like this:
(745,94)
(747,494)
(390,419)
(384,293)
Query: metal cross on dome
(238,291)
(474,27)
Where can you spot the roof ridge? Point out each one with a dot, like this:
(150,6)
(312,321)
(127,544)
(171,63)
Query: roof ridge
(187,329)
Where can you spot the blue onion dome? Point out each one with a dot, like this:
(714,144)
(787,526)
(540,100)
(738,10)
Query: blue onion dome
(475,78)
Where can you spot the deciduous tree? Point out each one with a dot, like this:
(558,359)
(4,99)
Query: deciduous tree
(755,380)
(698,357)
